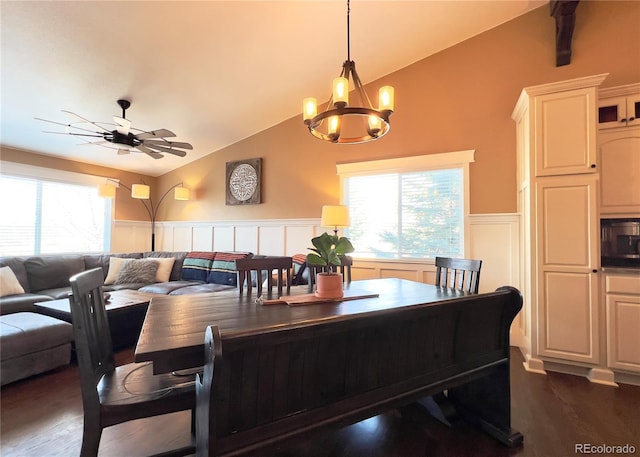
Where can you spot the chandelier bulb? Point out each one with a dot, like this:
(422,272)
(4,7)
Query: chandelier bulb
(386,98)
(375,125)
(334,128)
(341,91)
(309,109)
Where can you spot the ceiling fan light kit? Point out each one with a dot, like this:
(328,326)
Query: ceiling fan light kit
(345,124)
(153,142)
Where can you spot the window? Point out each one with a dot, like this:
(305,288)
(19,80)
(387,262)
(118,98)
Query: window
(407,208)
(47,216)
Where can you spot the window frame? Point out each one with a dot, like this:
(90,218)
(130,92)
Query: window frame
(20,170)
(427,162)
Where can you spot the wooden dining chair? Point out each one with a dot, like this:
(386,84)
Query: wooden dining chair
(262,269)
(461,274)
(114,394)
(344,268)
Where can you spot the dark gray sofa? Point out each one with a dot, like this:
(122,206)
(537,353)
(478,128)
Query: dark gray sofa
(29,339)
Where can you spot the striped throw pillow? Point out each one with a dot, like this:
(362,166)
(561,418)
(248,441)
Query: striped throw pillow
(223,270)
(197,265)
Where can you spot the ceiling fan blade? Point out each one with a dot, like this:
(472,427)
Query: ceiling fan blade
(93,143)
(159,148)
(160,133)
(85,120)
(124,125)
(149,152)
(97,135)
(168,144)
(68,126)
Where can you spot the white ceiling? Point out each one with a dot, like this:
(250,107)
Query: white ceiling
(213,72)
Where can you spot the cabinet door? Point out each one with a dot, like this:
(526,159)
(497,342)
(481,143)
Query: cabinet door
(567,280)
(620,171)
(633,109)
(612,112)
(623,336)
(565,134)
(619,111)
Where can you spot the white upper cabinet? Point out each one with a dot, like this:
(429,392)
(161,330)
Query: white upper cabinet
(619,107)
(565,138)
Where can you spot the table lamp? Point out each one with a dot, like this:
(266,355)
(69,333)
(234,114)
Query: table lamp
(336,216)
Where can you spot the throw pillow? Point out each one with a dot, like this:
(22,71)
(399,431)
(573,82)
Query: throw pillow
(9,284)
(196,265)
(115,265)
(165,264)
(138,272)
(223,270)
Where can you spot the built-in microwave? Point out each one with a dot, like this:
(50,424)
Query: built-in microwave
(620,242)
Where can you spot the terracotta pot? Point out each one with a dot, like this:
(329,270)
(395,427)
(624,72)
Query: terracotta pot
(329,285)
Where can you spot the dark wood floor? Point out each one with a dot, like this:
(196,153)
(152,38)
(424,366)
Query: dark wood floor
(42,416)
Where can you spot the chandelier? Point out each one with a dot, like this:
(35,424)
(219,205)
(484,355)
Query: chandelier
(342,123)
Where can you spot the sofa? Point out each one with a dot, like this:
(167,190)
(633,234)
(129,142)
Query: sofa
(28,339)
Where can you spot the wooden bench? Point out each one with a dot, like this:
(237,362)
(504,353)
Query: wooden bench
(264,388)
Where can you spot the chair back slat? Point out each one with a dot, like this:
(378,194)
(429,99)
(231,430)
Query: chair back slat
(264,268)
(206,385)
(91,333)
(461,274)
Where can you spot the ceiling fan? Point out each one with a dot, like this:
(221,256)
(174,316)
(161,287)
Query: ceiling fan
(153,143)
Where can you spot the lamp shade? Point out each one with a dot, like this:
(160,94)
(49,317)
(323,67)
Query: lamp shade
(140,191)
(107,190)
(335,216)
(181,193)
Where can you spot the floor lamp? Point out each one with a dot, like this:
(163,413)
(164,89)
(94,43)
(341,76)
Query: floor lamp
(142,192)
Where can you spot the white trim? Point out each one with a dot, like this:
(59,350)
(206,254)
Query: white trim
(49,174)
(411,163)
(619,91)
(242,223)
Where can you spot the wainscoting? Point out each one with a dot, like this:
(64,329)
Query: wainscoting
(491,237)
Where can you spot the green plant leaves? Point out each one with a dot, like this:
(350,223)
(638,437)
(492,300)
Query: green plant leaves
(328,249)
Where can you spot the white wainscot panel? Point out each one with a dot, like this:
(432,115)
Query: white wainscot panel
(494,240)
(202,238)
(182,238)
(130,236)
(271,240)
(247,238)
(298,239)
(224,238)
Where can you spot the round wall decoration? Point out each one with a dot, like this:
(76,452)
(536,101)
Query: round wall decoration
(243,182)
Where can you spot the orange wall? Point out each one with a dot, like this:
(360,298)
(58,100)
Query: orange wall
(126,208)
(460,98)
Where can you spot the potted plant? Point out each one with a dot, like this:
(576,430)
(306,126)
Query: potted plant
(327,250)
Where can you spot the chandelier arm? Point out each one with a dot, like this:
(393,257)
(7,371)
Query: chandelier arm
(363,94)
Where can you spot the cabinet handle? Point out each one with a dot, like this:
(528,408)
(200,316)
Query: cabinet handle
(593,165)
(631,119)
(623,120)
(594,270)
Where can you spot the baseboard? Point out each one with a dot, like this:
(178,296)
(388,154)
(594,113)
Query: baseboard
(533,365)
(602,376)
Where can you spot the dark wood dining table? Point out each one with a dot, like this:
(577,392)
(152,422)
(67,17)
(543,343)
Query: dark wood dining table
(172,335)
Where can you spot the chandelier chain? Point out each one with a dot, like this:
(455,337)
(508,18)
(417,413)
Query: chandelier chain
(348,31)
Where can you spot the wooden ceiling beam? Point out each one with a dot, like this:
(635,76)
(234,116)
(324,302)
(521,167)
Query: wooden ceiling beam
(564,12)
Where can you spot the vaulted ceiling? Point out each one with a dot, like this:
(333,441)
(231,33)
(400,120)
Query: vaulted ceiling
(213,72)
